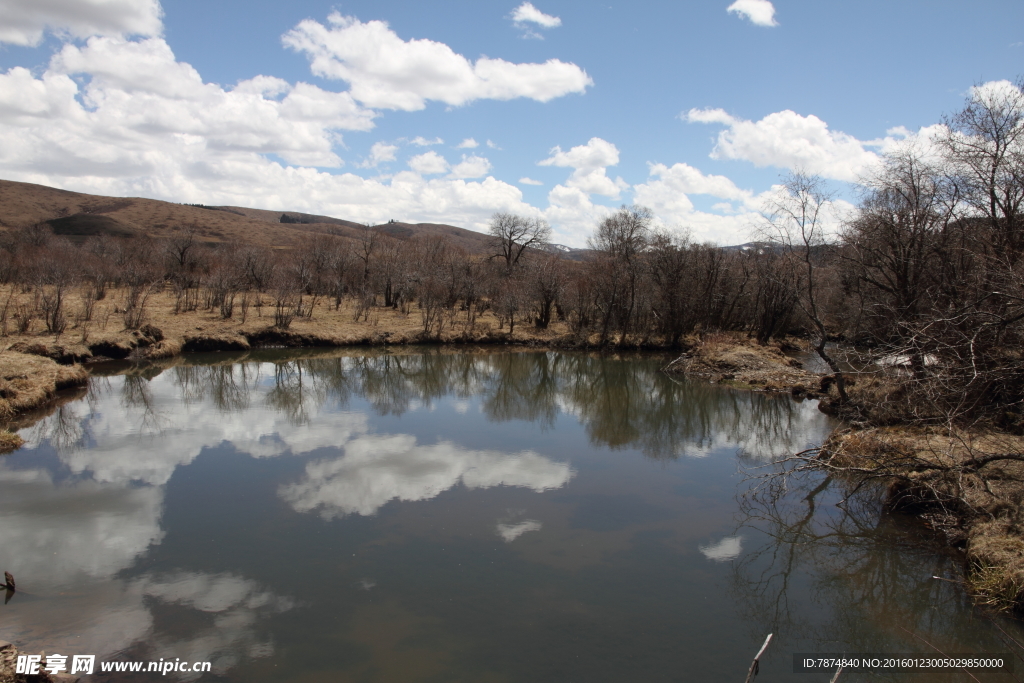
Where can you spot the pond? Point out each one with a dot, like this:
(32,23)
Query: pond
(436,515)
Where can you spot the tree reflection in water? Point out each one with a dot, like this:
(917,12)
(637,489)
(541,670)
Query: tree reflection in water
(623,401)
(871,570)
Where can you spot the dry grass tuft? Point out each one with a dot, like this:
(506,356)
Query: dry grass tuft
(995,553)
(9,441)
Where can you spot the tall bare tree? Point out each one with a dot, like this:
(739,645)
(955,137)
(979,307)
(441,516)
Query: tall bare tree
(895,245)
(512,234)
(985,145)
(794,220)
(622,238)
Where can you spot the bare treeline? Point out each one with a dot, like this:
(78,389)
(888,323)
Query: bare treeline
(640,287)
(927,271)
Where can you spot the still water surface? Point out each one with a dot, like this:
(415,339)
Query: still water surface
(423,515)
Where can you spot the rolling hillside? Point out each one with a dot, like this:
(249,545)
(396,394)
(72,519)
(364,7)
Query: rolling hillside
(77,216)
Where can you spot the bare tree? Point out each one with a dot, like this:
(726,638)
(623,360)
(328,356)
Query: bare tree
(181,247)
(985,144)
(368,246)
(512,234)
(257,266)
(547,280)
(394,264)
(58,272)
(794,221)
(775,296)
(510,300)
(432,255)
(895,246)
(622,238)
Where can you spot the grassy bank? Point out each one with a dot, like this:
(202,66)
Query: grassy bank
(28,381)
(35,363)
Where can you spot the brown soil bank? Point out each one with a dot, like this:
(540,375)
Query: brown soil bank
(967,486)
(35,364)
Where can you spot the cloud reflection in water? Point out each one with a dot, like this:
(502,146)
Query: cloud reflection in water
(378,469)
(510,532)
(729,548)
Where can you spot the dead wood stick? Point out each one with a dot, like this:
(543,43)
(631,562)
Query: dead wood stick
(754,666)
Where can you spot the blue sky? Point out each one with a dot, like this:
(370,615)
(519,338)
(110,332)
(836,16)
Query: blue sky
(371,110)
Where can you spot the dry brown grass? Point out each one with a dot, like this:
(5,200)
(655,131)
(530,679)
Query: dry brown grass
(741,361)
(167,333)
(995,551)
(8,664)
(9,441)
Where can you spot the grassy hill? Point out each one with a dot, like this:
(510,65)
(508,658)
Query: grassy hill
(78,216)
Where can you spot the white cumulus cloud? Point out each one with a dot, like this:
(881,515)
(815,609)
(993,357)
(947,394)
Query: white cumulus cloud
(378,469)
(786,139)
(468,143)
(589,164)
(380,153)
(574,214)
(23,22)
(421,141)
(428,163)
(527,18)
(143,114)
(529,181)
(688,180)
(668,189)
(597,153)
(759,12)
(729,548)
(527,13)
(471,167)
(510,532)
(387,72)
